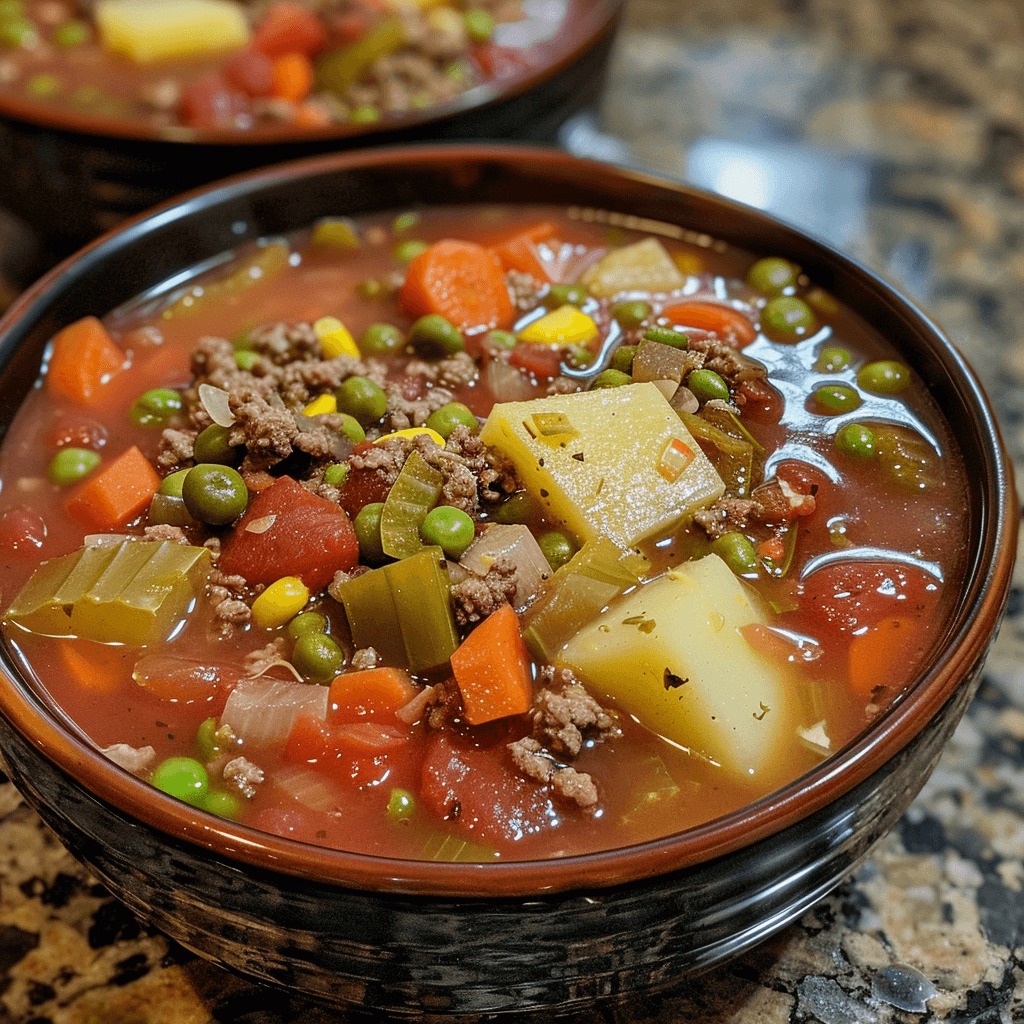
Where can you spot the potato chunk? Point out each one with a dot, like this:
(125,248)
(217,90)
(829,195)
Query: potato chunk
(644,266)
(152,30)
(615,462)
(671,653)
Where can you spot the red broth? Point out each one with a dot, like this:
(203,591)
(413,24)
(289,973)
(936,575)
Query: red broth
(278,67)
(844,520)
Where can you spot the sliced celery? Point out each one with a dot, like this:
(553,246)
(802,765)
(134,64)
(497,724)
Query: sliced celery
(372,615)
(411,497)
(339,69)
(577,592)
(130,592)
(732,457)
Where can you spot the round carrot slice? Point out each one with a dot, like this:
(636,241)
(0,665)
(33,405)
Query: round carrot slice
(728,323)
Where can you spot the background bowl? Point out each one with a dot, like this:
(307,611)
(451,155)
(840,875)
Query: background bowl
(460,939)
(71,175)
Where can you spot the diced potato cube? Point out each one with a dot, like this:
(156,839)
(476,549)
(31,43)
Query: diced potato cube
(620,463)
(672,654)
(563,326)
(644,266)
(152,30)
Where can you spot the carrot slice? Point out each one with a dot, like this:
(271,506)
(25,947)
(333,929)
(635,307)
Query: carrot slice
(519,251)
(96,668)
(492,668)
(292,77)
(84,359)
(462,281)
(879,656)
(728,323)
(116,494)
(369,694)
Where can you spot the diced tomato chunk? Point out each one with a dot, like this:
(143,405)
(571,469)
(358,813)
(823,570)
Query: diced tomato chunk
(251,72)
(210,103)
(288,531)
(543,361)
(289,27)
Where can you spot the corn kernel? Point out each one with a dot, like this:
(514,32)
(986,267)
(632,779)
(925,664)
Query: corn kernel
(563,326)
(334,338)
(280,602)
(414,432)
(320,405)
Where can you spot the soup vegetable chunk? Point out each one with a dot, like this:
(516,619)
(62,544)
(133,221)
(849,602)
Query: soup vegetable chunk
(477,534)
(236,65)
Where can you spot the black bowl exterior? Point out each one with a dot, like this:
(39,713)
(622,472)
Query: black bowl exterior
(411,937)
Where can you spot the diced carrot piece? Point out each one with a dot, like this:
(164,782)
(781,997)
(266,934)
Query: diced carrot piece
(879,655)
(462,281)
(728,323)
(519,251)
(492,668)
(116,494)
(293,77)
(96,668)
(308,741)
(375,693)
(83,361)
(289,27)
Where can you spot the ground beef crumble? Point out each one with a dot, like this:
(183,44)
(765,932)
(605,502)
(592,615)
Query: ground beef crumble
(535,762)
(476,597)
(727,515)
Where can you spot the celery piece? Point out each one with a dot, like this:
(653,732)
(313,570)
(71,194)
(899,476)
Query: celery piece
(653,784)
(721,415)
(443,846)
(655,361)
(577,592)
(411,497)
(339,69)
(35,607)
(372,616)
(732,457)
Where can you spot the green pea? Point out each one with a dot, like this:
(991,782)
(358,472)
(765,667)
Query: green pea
(457,72)
(223,804)
(519,508)
(336,474)
(737,551)
(479,25)
(857,441)
(450,416)
(246,360)
(172,484)
(787,318)
(367,527)
(362,399)
(408,249)
(212,445)
(308,622)
(832,359)
(579,356)
(317,657)
(631,313)
(611,379)
(71,33)
(154,408)
(364,115)
(565,295)
(557,547)
(352,428)
(772,275)
(707,385)
(42,86)
(370,289)
(667,336)
(622,358)
(208,746)
(834,399)
(404,222)
(382,340)
(70,465)
(450,528)
(501,339)
(884,377)
(433,337)
(168,510)
(184,778)
(214,494)
(18,31)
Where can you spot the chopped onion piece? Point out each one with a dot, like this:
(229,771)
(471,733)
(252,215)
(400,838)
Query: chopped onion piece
(816,738)
(305,787)
(667,387)
(519,545)
(260,525)
(411,712)
(506,382)
(132,759)
(263,711)
(215,402)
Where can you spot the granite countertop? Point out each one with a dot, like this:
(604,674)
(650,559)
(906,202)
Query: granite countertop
(895,130)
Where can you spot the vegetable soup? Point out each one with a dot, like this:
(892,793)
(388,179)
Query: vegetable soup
(173,66)
(478,534)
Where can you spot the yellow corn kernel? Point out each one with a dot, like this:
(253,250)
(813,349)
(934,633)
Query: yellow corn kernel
(414,432)
(334,338)
(280,602)
(320,405)
(563,326)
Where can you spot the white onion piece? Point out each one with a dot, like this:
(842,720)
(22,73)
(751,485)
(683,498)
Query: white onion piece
(132,759)
(410,713)
(260,525)
(506,383)
(519,545)
(667,387)
(262,711)
(215,402)
(96,540)
(305,787)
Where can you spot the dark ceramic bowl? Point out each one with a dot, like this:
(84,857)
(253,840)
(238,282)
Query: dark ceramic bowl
(71,176)
(411,938)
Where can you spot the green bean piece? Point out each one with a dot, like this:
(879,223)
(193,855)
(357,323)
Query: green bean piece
(451,529)
(787,318)
(317,657)
(223,804)
(408,249)
(173,482)
(401,806)
(737,551)
(362,399)
(434,337)
(501,339)
(155,407)
(214,494)
(212,445)
(336,474)
(622,358)
(884,377)
(308,622)
(611,379)
(450,416)
(667,336)
(382,339)
(772,275)
(70,465)
(479,25)
(565,295)
(631,313)
(857,441)
(832,359)
(707,385)
(520,508)
(367,527)
(834,399)
(184,778)
(557,547)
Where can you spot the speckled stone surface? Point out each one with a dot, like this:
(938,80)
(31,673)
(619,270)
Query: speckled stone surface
(895,130)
